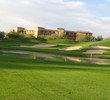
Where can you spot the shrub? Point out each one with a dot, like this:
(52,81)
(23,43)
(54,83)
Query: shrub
(2,35)
(55,36)
(27,36)
(41,38)
(51,37)
(80,38)
(90,38)
(99,38)
(13,35)
(86,38)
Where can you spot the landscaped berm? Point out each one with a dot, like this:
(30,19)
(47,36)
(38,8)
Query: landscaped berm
(66,70)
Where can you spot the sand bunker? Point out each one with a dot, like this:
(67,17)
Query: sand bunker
(71,48)
(94,52)
(73,59)
(101,63)
(100,47)
(40,45)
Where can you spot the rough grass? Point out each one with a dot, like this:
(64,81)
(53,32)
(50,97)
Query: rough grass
(27,79)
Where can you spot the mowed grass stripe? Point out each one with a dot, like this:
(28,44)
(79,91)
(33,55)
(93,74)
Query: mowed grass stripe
(16,88)
(56,80)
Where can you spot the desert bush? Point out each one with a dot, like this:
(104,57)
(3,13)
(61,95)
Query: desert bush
(80,38)
(99,38)
(90,38)
(2,35)
(51,37)
(27,36)
(55,36)
(41,38)
(86,38)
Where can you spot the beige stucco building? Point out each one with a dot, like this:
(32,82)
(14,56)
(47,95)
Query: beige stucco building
(72,35)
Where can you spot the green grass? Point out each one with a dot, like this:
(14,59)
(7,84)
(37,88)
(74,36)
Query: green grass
(27,79)
(15,44)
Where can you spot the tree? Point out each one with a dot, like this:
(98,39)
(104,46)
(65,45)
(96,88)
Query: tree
(2,35)
(99,38)
(89,38)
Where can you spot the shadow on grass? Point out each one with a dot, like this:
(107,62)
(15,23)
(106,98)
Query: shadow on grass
(46,65)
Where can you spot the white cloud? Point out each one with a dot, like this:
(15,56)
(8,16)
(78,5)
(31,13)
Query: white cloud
(105,18)
(108,0)
(74,15)
(27,2)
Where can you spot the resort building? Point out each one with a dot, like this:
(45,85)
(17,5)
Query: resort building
(71,35)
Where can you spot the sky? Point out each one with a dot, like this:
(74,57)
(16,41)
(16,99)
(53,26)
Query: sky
(87,15)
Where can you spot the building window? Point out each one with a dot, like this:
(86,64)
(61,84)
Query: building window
(66,32)
(87,33)
(42,31)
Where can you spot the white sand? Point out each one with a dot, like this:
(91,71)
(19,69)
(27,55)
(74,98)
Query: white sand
(39,45)
(100,47)
(101,63)
(71,48)
(94,51)
(73,59)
